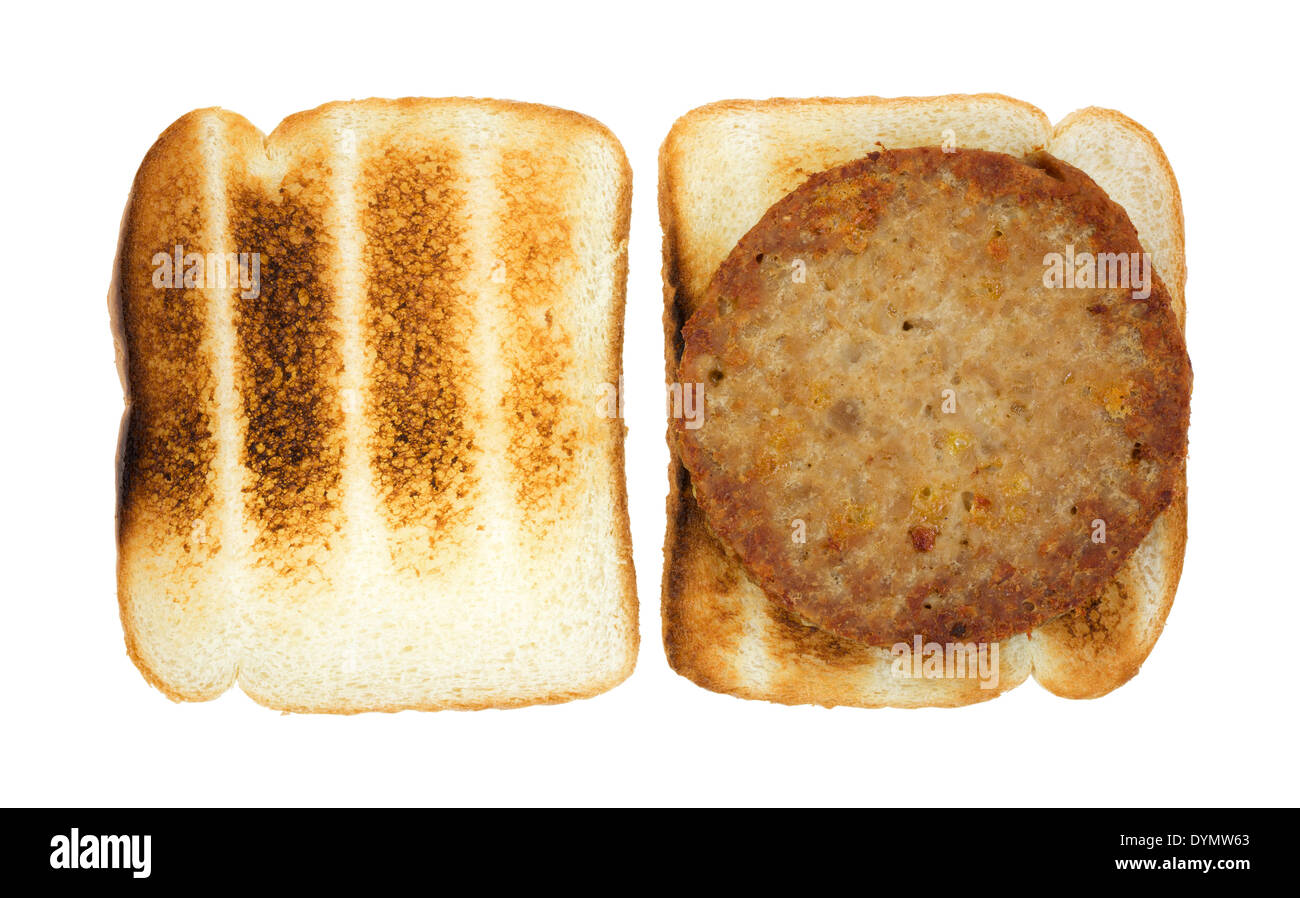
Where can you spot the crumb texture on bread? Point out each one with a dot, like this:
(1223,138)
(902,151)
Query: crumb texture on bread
(721,167)
(383,478)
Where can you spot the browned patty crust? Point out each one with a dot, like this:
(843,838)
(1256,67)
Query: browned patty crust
(907,430)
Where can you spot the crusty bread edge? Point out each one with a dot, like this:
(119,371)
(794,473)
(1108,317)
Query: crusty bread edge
(678,660)
(121,357)
(866,99)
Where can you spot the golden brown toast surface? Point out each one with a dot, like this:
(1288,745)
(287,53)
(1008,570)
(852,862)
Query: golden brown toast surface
(379,477)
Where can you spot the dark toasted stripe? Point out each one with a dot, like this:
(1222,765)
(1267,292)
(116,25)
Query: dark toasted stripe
(169,449)
(289,357)
(416,320)
(537,251)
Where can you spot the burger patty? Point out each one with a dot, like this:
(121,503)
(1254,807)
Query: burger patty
(919,416)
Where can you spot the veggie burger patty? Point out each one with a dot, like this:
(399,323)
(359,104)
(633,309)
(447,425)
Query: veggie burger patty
(945,395)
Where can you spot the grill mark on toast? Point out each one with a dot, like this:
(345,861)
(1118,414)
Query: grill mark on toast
(169,447)
(416,320)
(289,355)
(316,560)
(536,249)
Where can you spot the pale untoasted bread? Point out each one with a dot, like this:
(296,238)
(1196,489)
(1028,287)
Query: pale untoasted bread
(387,481)
(721,167)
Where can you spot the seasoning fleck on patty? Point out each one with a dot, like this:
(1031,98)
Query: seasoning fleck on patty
(922,416)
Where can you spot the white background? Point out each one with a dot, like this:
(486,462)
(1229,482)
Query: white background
(1211,719)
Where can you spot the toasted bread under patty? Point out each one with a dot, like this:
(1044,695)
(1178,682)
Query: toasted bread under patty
(886,371)
(721,167)
(383,479)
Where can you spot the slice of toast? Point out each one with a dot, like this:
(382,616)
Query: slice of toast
(721,167)
(374,471)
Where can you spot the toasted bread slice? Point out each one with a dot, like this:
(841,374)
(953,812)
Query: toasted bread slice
(380,476)
(721,167)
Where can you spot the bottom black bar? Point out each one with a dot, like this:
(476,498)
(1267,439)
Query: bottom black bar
(929,847)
